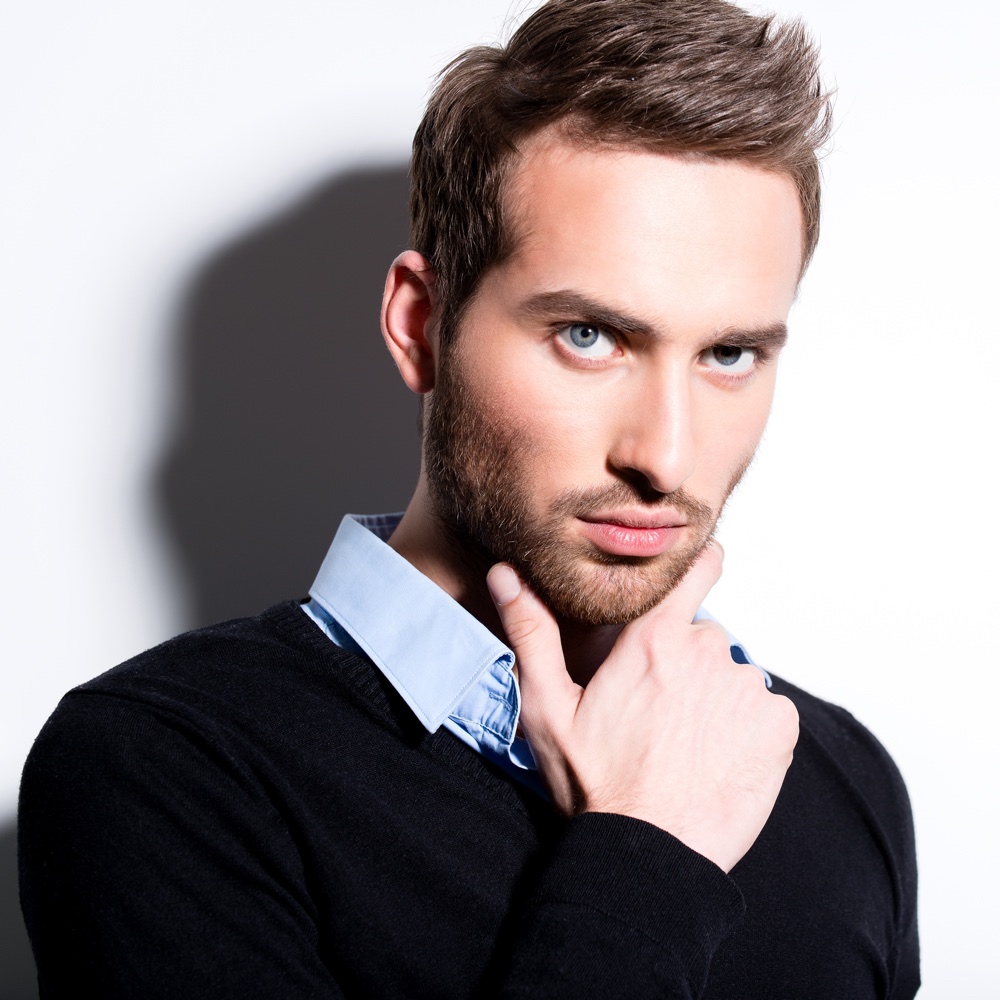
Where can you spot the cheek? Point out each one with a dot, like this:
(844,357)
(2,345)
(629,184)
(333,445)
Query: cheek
(555,411)
(731,433)
(746,427)
(759,405)
(561,446)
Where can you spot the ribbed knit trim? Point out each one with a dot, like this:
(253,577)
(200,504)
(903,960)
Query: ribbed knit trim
(364,684)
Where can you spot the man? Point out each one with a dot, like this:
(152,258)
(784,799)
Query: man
(501,750)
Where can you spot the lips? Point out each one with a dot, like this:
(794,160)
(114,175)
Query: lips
(636,534)
(643,519)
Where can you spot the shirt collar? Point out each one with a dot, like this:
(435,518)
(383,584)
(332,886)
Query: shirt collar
(445,664)
(428,646)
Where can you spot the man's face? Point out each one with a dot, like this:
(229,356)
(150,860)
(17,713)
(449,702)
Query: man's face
(610,381)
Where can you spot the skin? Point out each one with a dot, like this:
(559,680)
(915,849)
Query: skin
(592,365)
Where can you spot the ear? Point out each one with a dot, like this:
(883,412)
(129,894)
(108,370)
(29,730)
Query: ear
(407,311)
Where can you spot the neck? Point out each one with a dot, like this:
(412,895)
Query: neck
(460,569)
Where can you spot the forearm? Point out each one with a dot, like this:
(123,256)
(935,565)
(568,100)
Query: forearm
(621,909)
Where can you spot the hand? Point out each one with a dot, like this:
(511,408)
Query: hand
(669,730)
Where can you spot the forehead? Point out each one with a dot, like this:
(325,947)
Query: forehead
(654,231)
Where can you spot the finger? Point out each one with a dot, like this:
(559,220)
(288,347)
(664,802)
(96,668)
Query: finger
(683,602)
(549,695)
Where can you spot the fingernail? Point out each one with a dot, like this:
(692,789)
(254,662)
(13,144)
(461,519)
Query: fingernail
(504,584)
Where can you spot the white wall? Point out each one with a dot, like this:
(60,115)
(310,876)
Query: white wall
(140,137)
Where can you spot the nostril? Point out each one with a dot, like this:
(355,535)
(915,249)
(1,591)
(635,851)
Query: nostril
(643,486)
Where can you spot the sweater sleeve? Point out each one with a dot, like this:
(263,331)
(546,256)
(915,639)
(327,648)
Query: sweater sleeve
(153,866)
(867,768)
(622,909)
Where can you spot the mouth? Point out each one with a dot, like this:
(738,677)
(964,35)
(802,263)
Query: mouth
(633,533)
(643,520)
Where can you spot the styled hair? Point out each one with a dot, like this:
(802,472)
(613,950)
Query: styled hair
(686,77)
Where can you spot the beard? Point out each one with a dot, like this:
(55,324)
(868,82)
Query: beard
(480,491)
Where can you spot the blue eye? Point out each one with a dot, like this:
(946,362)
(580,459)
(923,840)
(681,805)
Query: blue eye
(587,340)
(730,359)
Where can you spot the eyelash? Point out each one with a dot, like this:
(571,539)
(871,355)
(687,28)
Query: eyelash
(763,355)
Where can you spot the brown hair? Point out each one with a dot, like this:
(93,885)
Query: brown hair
(690,77)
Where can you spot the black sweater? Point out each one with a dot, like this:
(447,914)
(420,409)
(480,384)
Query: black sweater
(249,811)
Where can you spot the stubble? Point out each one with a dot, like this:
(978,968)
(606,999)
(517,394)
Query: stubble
(477,473)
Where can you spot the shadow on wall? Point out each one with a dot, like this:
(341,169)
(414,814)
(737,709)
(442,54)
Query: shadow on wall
(17,965)
(290,411)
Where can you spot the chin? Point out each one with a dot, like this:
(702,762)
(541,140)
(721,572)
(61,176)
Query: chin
(605,593)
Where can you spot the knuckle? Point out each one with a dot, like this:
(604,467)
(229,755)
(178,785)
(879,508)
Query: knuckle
(649,646)
(786,718)
(521,631)
(710,639)
(708,568)
(713,556)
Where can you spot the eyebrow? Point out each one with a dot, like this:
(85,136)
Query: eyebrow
(573,305)
(568,304)
(772,336)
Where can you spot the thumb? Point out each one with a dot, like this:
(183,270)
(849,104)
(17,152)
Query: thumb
(549,695)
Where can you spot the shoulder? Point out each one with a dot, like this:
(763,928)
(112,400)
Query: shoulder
(228,654)
(184,782)
(842,737)
(242,693)
(840,761)
(832,740)
(259,666)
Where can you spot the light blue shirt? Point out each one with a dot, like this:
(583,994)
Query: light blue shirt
(445,664)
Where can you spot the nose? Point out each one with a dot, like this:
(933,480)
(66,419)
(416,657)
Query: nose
(654,444)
